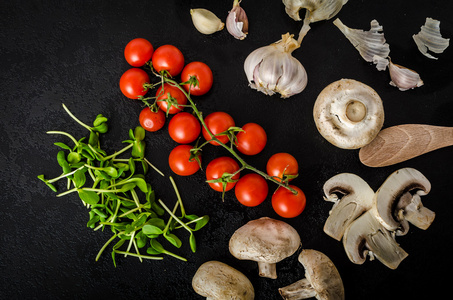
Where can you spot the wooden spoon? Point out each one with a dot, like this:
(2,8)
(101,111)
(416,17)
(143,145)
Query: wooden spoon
(400,143)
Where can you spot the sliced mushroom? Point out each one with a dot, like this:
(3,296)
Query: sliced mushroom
(398,200)
(367,237)
(216,280)
(266,241)
(348,114)
(322,279)
(357,197)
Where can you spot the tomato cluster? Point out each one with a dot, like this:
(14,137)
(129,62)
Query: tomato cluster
(217,128)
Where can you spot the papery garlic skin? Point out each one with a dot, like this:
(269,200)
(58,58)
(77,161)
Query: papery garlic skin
(206,21)
(272,69)
(317,10)
(370,44)
(237,22)
(404,78)
(430,38)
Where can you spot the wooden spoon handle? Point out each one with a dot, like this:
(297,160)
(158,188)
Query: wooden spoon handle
(400,143)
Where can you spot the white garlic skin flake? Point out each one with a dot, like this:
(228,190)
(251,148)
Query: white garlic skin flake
(272,69)
(429,38)
(317,10)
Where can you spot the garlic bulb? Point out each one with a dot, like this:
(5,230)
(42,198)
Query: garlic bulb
(403,78)
(370,44)
(317,10)
(430,38)
(206,21)
(237,22)
(272,69)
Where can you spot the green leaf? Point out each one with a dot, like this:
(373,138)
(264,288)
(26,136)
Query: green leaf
(132,165)
(192,242)
(79,178)
(201,223)
(140,182)
(152,251)
(139,133)
(173,239)
(138,150)
(158,222)
(141,239)
(100,213)
(73,158)
(100,119)
(62,145)
(111,171)
(88,197)
(94,138)
(61,158)
(92,222)
(157,246)
(101,128)
(51,186)
(151,229)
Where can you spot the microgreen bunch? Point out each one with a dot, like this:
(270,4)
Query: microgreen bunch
(118,196)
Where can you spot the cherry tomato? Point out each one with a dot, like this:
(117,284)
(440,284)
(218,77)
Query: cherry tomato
(282,166)
(251,189)
(252,140)
(175,93)
(179,161)
(151,121)
(184,128)
(132,81)
(286,204)
(217,122)
(138,52)
(168,58)
(202,72)
(217,167)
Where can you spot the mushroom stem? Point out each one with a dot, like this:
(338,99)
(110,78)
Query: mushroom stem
(416,214)
(268,270)
(301,289)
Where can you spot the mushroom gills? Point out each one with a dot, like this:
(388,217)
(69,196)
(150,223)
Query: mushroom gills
(355,198)
(322,279)
(367,236)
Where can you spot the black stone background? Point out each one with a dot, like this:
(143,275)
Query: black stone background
(71,52)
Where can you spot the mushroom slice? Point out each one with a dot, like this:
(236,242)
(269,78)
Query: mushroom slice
(216,280)
(403,78)
(369,43)
(266,241)
(429,38)
(356,197)
(348,114)
(322,279)
(366,236)
(398,198)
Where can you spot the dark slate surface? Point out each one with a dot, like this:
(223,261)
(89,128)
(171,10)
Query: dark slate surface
(71,52)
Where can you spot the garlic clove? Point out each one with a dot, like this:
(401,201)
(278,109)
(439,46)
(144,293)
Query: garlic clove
(403,78)
(318,9)
(429,38)
(369,43)
(272,69)
(237,22)
(206,21)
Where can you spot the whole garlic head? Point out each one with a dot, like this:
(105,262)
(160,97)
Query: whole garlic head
(206,21)
(272,69)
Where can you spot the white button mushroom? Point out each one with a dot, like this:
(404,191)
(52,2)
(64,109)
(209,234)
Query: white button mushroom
(322,279)
(217,280)
(356,197)
(266,241)
(398,201)
(348,114)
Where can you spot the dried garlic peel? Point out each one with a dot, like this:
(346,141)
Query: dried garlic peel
(318,9)
(370,44)
(429,38)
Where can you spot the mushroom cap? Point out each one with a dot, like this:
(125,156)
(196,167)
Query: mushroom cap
(322,274)
(348,114)
(217,280)
(394,187)
(357,198)
(264,240)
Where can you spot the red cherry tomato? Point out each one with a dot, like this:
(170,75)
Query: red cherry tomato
(217,122)
(138,52)
(252,140)
(202,72)
(168,58)
(184,128)
(282,166)
(217,167)
(179,161)
(286,204)
(132,81)
(151,121)
(251,189)
(175,94)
